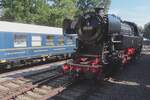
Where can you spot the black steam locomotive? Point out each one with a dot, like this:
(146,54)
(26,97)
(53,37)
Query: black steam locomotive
(104,43)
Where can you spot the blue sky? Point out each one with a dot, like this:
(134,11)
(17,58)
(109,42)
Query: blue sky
(137,11)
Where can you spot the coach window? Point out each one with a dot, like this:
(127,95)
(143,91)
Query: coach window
(61,40)
(36,40)
(49,40)
(20,40)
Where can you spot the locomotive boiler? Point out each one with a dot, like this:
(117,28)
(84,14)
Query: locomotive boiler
(104,43)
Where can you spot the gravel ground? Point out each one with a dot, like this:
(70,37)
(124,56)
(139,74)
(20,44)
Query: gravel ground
(132,83)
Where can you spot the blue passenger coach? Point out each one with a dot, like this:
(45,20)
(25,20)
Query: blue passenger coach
(20,42)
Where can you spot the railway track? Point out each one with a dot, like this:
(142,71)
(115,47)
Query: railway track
(27,71)
(45,89)
(10,89)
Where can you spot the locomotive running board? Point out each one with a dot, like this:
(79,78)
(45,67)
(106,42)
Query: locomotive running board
(95,66)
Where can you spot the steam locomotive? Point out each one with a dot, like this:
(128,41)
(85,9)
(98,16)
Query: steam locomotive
(104,43)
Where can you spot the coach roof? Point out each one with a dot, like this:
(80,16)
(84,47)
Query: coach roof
(28,28)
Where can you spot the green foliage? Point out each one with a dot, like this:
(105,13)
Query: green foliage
(46,12)
(106,5)
(88,5)
(147,30)
(61,9)
(27,11)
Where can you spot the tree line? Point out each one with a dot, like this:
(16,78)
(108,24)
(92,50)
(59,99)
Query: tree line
(51,12)
(46,12)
